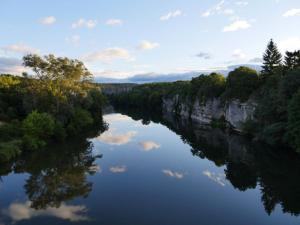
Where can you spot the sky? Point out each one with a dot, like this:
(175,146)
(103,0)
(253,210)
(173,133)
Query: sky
(123,38)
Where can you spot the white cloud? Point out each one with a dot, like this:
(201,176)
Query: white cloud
(84,23)
(204,55)
(11,66)
(289,44)
(112,138)
(118,169)
(149,145)
(171,15)
(111,118)
(48,20)
(218,178)
(228,12)
(114,22)
(242,3)
(23,211)
(20,48)
(147,45)
(174,174)
(256,60)
(218,9)
(292,12)
(74,40)
(238,54)
(95,169)
(237,25)
(109,55)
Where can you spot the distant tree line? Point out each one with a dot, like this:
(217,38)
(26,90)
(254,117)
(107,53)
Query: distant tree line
(276,90)
(56,102)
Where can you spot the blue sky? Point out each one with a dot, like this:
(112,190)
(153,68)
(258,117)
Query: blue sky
(121,38)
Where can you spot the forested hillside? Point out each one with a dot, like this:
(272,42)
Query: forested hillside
(275,90)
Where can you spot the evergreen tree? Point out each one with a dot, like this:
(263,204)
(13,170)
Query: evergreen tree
(292,60)
(271,58)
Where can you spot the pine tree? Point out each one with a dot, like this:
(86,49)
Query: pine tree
(297,59)
(290,60)
(271,58)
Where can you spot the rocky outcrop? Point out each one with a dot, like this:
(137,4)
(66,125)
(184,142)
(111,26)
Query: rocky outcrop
(237,113)
(234,112)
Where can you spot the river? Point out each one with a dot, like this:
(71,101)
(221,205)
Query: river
(153,171)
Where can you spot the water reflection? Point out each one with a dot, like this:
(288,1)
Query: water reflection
(246,164)
(56,175)
(24,211)
(118,169)
(174,174)
(149,145)
(111,137)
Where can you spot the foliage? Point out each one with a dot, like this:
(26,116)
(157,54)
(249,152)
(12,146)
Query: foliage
(292,60)
(271,59)
(50,67)
(208,86)
(38,128)
(294,121)
(241,83)
(10,150)
(41,107)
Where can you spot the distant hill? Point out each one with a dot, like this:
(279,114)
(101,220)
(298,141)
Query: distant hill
(152,77)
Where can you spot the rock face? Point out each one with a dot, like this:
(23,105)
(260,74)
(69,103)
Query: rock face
(234,112)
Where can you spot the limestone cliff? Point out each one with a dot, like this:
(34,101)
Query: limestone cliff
(234,112)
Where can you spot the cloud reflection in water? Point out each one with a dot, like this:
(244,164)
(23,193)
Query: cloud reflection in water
(23,211)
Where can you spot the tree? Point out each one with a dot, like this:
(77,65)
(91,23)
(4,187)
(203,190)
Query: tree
(241,83)
(38,128)
(208,86)
(50,67)
(292,60)
(271,59)
(294,121)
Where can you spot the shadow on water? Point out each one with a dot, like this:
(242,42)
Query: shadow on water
(247,164)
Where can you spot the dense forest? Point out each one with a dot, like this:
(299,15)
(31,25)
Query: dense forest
(275,89)
(56,102)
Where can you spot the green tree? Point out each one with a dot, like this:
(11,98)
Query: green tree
(292,60)
(294,121)
(50,67)
(38,128)
(241,83)
(271,58)
(208,86)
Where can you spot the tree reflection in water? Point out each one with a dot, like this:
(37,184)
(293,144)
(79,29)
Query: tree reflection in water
(58,173)
(247,164)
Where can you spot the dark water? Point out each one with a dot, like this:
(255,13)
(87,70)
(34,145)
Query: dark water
(164,172)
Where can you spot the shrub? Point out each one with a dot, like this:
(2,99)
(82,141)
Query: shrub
(37,128)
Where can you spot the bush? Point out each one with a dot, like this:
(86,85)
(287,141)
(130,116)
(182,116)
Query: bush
(37,128)
(241,83)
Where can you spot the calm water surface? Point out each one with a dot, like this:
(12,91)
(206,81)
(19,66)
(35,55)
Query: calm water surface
(143,172)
